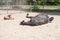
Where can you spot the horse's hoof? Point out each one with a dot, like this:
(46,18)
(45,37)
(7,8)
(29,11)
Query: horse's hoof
(21,23)
(27,13)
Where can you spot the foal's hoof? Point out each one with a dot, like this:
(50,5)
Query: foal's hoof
(27,13)
(21,23)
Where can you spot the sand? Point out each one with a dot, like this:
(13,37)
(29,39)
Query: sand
(11,30)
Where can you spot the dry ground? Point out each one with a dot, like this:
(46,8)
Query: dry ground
(11,30)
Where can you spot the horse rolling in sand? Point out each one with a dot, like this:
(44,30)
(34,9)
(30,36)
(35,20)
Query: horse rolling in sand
(37,20)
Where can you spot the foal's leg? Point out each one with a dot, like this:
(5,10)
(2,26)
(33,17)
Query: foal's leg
(25,23)
(27,16)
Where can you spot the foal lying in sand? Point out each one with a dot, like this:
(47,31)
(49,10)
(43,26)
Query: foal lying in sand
(8,17)
(37,20)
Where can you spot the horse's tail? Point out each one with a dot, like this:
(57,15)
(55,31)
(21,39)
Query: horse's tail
(51,19)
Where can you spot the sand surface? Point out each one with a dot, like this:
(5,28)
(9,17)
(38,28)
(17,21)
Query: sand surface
(11,30)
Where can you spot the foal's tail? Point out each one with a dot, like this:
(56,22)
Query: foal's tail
(51,19)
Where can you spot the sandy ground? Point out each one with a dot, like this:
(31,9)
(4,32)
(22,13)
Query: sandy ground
(11,30)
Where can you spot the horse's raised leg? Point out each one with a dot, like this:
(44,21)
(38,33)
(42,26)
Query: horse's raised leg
(27,16)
